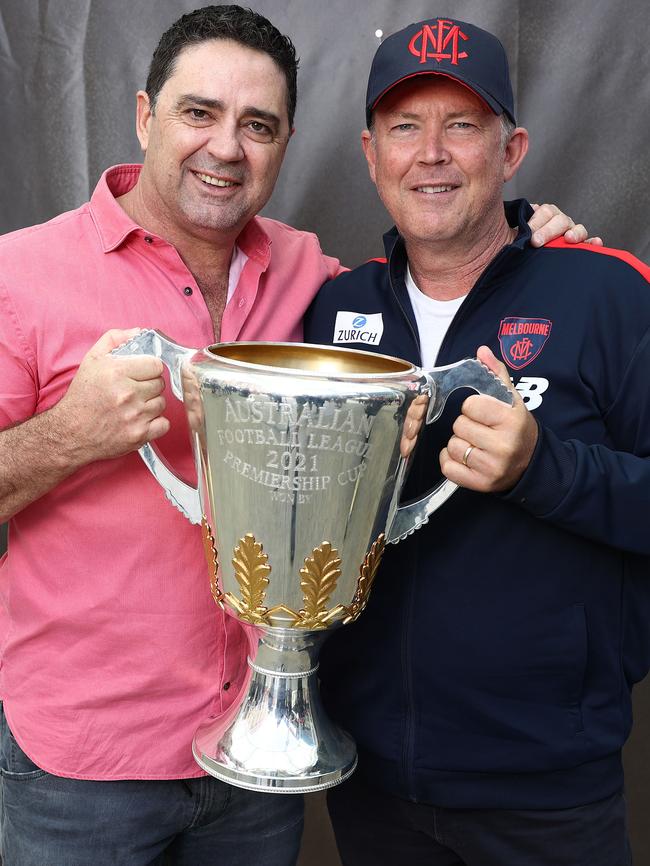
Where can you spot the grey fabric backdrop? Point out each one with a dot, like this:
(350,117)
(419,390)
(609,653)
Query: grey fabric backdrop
(581,70)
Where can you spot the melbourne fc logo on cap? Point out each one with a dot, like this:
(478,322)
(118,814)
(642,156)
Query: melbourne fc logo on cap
(522,339)
(438,42)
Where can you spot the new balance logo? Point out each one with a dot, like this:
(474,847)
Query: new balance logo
(531,389)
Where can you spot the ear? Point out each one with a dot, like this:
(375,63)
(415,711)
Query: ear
(516,150)
(368,145)
(143,115)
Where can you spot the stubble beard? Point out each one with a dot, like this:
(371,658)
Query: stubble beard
(212,216)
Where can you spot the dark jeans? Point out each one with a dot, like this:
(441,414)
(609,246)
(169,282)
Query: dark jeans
(47,820)
(374,829)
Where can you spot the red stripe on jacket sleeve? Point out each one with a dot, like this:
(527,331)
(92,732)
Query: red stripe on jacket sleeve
(623,255)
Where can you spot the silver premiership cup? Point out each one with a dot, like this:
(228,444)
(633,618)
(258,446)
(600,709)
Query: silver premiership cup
(299,472)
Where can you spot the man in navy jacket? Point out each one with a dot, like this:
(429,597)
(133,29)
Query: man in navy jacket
(488,682)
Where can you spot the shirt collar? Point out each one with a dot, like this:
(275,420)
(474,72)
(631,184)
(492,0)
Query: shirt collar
(114,225)
(255,243)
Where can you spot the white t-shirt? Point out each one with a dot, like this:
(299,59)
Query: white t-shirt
(433,318)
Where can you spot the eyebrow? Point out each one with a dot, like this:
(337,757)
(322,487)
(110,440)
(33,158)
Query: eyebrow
(194,99)
(407,115)
(219,105)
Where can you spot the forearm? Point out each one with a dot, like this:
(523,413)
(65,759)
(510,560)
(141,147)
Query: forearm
(590,490)
(112,406)
(35,456)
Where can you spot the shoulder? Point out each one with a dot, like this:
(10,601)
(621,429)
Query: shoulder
(363,288)
(299,248)
(599,295)
(43,261)
(298,245)
(281,232)
(45,239)
(368,277)
(371,273)
(596,260)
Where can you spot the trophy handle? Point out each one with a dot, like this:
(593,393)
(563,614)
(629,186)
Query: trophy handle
(183,496)
(440,382)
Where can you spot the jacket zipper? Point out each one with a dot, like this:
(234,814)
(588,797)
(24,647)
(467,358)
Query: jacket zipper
(414,333)
(409,727)
(408,744)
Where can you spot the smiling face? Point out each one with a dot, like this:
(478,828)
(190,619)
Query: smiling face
(215,141)
(437,159)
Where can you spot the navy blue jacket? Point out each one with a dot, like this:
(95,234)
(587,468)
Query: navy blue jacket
(494,663)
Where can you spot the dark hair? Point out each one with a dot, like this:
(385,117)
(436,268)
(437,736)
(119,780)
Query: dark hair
(223,22)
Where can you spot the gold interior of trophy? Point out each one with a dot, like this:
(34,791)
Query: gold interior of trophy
(320,359)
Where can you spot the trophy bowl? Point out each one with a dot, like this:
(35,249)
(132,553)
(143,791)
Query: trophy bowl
(297,451)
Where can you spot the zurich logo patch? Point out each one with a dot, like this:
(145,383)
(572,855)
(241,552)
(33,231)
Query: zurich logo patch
(351,327)
(522,339)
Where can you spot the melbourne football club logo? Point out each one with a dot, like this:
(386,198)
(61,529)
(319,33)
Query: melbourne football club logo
(522,339)
(439,41)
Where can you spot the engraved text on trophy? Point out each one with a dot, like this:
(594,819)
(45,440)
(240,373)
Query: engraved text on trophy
(288,446)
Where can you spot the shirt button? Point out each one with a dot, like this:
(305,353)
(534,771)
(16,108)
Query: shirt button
(226,686)
(188,290)
(148,239)
(242,303)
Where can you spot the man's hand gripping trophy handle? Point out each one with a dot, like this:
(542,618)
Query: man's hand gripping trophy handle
(149,342)
(440,383)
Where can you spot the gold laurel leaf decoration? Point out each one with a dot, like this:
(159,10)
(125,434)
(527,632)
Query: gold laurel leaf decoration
(367,573)
(251,570)
(212,560)
(319,576)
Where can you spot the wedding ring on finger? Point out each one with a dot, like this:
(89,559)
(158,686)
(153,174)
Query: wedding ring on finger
(468,451)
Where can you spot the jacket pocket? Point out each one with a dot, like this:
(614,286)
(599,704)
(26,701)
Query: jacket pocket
(540,659)
(577,681)
(508,697)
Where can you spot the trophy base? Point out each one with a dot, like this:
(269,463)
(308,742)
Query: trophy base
(280,739)
(274,784)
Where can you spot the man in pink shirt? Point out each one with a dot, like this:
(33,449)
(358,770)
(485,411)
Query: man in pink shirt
(112,649)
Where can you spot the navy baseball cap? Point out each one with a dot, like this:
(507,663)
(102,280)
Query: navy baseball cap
(443,46)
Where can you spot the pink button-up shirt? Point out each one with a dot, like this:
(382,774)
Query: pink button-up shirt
(113,651)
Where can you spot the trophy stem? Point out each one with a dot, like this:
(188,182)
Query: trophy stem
(280,739)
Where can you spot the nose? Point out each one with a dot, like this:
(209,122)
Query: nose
(432,147)
(224,143)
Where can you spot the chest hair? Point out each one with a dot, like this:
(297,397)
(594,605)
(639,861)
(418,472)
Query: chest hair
(215,294)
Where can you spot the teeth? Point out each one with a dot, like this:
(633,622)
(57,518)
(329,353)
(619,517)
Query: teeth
(432,189)
(214,181)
